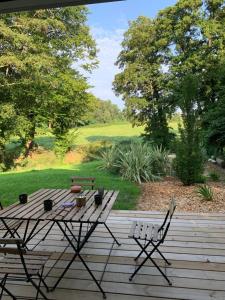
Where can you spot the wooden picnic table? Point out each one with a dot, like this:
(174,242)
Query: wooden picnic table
(33,213)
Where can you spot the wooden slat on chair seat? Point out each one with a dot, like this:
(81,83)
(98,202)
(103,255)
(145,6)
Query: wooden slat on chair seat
(11,264)
(132,229)
(155,234)
(144,230)
(149,232)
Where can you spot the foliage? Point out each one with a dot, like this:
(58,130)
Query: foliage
(103,112)
(65,143)
(214,176)
(92,151)
(206,192)
(214,119)
(189,159)
(14,183)
(136,161)
(186,38)
(142,83)
(36,75)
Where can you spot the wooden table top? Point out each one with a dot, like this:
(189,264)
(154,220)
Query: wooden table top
(34,208)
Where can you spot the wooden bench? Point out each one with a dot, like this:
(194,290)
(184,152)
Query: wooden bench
(83,181)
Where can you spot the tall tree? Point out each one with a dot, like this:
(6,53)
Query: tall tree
(37,51)
(142,82)
(189,157)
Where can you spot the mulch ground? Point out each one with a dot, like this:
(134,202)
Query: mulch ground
(156,195)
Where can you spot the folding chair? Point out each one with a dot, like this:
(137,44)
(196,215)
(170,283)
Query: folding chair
(9,227)
(154,235)
(83,181)
(19,264)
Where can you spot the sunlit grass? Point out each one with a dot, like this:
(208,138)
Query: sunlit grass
(14,183)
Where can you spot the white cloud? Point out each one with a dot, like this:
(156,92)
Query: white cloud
(109,45)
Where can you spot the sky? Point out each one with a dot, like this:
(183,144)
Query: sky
(108,22)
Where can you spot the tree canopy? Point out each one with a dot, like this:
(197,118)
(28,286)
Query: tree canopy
(186,38)
(38,80)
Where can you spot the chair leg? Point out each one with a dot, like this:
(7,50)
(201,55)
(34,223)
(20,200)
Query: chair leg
(145,247)
(163,274)
(38,287)
(160,253)
(4,289)
(43,281)
(148,256)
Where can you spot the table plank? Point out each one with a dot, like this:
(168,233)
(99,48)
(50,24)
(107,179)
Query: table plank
(15,208)
(77,212)
(100,208)
(108,208)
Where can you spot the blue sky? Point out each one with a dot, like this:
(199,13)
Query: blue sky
(108,22)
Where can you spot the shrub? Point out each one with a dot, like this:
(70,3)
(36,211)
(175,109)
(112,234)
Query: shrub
(201,179)
(206,192)
(137,161)
(189,161)
(93,150)
(65,143)
(214,176)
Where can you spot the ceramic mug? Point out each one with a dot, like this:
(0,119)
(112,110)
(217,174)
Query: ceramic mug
(23,198)
(48,204)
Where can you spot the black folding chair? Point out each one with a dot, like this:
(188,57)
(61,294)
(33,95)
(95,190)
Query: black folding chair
(154,235)
(19,264)
(9,227)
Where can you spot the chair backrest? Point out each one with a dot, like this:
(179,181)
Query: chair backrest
(172,208)
(18,250)
(170,213)
(165,232)
(83,181)
(11,250)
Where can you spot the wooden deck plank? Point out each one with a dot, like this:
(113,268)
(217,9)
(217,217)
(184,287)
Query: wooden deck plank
(195,246)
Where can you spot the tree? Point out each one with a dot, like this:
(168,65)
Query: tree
(143,82)
(103,111)
(214,119)
(37,51)
(186,38)
(194,31)
(189,157)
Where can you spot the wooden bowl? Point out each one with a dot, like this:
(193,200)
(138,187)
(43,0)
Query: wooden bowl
(75,189)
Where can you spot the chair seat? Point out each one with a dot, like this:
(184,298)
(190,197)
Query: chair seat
(145,231)
(11,264)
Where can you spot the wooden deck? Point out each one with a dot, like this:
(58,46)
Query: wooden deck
(195,245)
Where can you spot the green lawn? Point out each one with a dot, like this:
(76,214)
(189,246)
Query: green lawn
(98,132)
(14,183)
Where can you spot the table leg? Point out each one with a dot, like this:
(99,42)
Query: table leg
(77,253)
(112,235)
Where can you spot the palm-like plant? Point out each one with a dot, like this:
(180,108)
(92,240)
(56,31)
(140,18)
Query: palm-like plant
(137,162)
(206,192)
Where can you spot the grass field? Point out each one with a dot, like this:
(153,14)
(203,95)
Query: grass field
(45,171)
(99,132)
(14,183)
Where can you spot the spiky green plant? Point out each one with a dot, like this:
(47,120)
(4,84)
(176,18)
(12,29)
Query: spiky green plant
(139,162)
(206,192)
